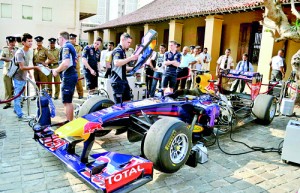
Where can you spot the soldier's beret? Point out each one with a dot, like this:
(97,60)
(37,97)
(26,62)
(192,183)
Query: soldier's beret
(11,38)
(39,38)
(52,40)
(73,35)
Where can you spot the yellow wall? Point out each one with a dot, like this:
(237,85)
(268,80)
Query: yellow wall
(135,34)
(189,34)
(159,28)
(231,32)
(292,48)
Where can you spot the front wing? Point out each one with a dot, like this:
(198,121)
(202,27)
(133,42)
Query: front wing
(109,172)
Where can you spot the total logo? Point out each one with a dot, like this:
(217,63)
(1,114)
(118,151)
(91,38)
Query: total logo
(134,171)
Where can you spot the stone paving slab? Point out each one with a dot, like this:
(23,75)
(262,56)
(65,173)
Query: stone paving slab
(26,167)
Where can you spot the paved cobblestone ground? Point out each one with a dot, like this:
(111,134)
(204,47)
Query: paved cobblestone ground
(26,167)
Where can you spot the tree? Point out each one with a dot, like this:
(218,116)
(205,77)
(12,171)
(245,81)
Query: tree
(285,29)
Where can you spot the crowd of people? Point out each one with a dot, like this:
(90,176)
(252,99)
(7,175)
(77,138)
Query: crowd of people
(173,69)
(63,63)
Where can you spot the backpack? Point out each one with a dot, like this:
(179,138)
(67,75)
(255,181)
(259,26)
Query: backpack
(13,67)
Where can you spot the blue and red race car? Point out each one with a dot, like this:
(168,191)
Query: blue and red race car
(166,127)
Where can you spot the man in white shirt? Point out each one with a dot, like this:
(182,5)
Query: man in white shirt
(195,66)
(277,66)
(245,66)
(224,62)
(205,59)
(182,71)
(197,56)
(158,70)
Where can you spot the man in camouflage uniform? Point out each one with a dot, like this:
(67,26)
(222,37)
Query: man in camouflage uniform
(7,54)
(77,47)
(55,52)
(41,56)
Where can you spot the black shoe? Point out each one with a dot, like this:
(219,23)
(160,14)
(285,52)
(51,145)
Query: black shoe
(80,97)
(55,98)
(33,98)
(6,106)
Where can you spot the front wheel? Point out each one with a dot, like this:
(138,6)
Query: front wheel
(168,144)
(264,108)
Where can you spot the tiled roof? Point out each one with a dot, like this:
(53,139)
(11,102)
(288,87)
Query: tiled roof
(160,10)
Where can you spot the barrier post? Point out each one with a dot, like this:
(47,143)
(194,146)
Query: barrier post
(27,97)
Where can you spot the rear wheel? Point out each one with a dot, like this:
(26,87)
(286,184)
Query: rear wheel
(168,144)
(93,104)
(264,108)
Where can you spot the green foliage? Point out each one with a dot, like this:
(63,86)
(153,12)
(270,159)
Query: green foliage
(296,25)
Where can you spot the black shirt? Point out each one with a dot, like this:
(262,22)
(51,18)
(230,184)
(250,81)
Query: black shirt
(118,72)
(92,55)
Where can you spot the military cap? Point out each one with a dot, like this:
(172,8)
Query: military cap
(11,38)
(52,40)
(73,35)
(39,38)
(18,37)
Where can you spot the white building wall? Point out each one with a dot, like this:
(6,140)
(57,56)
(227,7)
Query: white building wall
(142,3)
(114,9)
(130,6)
(65,17)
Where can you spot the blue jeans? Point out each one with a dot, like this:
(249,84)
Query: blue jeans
(154,82)
(18,86)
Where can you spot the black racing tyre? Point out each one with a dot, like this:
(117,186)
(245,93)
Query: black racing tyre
(264,108)
(168,144)
(93,104)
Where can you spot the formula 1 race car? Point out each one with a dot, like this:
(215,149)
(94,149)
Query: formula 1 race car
(166,127)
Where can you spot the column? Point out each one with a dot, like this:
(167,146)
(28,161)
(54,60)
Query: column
(147,27)
(109,35)
(266,51)
(133,33)
(212,39)
(90,37)
(175,31)
(99,33)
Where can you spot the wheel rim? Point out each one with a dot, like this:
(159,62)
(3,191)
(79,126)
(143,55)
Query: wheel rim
(179,148)
(272,110)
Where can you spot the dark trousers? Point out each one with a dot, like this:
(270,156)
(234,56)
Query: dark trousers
(121,91)
(148,80)
(237,83)
(276,75)
(181,72)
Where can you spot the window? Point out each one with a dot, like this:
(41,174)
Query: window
(255,42)
(250,41)
(47,14)
(200,36)
(166,37)
(27,12)
(6,10)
